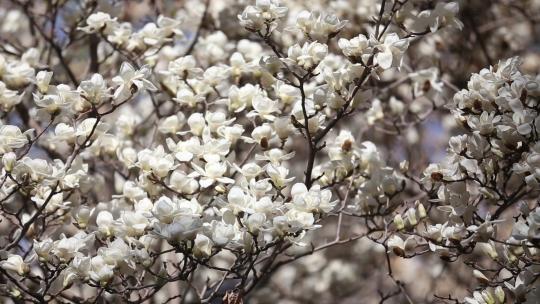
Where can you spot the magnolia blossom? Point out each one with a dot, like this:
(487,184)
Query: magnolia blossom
(307,56)
(357,47)
(8,98)
(318,26)
(11,138)
(213,172)
(16,264)
(225,150)
(94,90)
(97,22)
(390,51)
(312,200)
(264,107)
(264,13)
(130,81)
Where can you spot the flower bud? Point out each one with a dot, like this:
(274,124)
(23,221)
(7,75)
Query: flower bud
(404,166)
(220,189)
(421,210)
(480,277)
(282,127)
(9,160)
(15,293)
(499,294)
(489,250)
(43,78)
(398,221)
(411,216)
(488,296)
(82,217)
(202,247)
(16,264)
(69,278)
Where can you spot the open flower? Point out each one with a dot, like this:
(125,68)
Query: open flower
(312,200)
(94,90)
(390,51)
(264,12)
(8,98)
(213,172)
(11,138)
(307,56)
(131,81)
(98,22)
(319,26)
(264,107)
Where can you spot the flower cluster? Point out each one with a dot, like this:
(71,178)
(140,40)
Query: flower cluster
(207,158)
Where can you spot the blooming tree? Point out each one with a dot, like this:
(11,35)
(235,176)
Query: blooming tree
(201,152)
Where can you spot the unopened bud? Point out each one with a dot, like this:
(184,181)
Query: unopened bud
(499,294)
(398,221)
(404,166)
(411,216)
(221,189)
(9,160)
(480,277)
(421,210)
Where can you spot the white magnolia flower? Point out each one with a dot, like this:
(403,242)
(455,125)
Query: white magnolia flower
(312,200)
(172,124)
(170,26)
(318,26)
(298,219)
(66,248)
(184,67)
(8,98)
(265,12)
(239,201)
(100,271)
(43,79)
(230,134)
(11,138)
(131,81)
(241,98)
(213,172)
(90,128)
(105,223)
(18,74)
(185,151)
(155,161)
(98,22)
(16,264)
(164,210)
(307,56)
(487,296)
(390,51)
(202,246)
(183,183)
(59,99)
(264,107)
(399,246)
(133,224)
(221,233)
(9,160)
(217,119)
(356,47)
(43,249)
(425,82)
(94,90)
(279,175)
(120,33)
(183,227)
(444,14)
